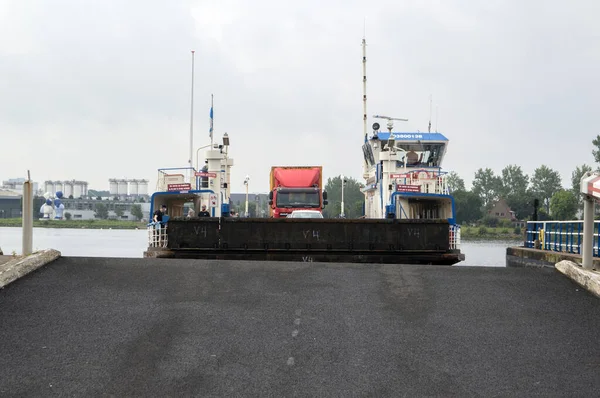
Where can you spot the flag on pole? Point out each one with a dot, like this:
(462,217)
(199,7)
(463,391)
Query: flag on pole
(211,118)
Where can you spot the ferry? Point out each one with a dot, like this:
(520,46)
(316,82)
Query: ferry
(404,178)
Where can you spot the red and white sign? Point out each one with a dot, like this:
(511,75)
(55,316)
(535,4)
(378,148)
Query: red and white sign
(591,185)
(179,187)
(206,174)
(408,188)
(213,200)
(399,175)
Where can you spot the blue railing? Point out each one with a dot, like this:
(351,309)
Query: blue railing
(560,236)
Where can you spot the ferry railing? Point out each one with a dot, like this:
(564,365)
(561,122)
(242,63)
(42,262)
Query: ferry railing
(429,181)
(559,236)
(157,235)
(175,176)
(454,236)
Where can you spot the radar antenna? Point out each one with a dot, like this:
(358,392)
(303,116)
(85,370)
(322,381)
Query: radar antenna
(390,121)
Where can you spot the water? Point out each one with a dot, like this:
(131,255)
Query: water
(132,243)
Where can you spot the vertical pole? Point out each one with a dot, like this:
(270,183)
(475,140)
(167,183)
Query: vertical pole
(588,232)
(27,216)
(246,212)
(192,115)
(342,206)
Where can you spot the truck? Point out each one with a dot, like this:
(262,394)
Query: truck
(296,188)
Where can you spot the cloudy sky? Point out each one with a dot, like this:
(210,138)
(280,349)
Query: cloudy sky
(94,89)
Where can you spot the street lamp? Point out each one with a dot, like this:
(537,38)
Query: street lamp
(343,184)
(198,150)
(246,181)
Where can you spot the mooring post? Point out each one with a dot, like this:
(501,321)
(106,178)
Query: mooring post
(27,213)
(588,232)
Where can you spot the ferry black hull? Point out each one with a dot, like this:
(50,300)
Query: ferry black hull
(384,241)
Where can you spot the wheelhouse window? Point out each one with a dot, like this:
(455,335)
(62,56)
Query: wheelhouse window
(420,155)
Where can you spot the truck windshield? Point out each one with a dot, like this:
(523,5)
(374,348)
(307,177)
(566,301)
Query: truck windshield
(298,199)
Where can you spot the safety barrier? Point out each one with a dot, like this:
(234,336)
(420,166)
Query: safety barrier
(157,235)
(454,237)
(559,236)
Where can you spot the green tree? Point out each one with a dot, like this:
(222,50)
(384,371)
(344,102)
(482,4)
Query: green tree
(119,211)
(455,183)
(514,181)
(563,205)
(596,152)
(136,211)
(487,186)
(101,211)
(546,182)
(68,216)
(468,207)
(353,198)
(576,182)
(99,198)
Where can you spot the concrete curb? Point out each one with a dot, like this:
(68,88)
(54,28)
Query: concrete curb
(588,279)
(19,267)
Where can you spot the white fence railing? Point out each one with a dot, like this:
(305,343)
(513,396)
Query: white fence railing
(454,236)
(157,235)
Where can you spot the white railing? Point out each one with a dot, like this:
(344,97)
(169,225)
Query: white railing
(176,177)
(454,236)
(157,235)
(430,181)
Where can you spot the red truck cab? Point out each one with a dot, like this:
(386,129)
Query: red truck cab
(296,188)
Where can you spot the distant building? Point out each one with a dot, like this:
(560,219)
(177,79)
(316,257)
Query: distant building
(10,204)
(85,209)
(502,211)
(16,185)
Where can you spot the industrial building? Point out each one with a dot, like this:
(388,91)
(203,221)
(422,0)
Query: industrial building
(85,209)
(16,185)
(10,204)
(128,188)
(69,188)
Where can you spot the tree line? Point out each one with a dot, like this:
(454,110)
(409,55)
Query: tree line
(519,190)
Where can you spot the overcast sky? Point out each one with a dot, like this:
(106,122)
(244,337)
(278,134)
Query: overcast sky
(94,89)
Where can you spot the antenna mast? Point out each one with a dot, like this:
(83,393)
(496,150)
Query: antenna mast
(430,101)
(192,116)
(364,46)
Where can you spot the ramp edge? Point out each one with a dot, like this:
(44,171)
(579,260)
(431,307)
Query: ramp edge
(590,280)
(19,267)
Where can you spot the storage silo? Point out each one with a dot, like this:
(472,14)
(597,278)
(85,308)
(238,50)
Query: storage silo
(142,187)
(49,186)
(68,188)
(133,187)
(122,190)
(113,186)
(58,186)
(77,189)
(85,188)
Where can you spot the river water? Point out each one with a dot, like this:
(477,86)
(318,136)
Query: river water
(132,243)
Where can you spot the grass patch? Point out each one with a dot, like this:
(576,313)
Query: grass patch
(84,224)
(482,232)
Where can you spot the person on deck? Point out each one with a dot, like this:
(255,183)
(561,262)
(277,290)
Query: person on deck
(203,212)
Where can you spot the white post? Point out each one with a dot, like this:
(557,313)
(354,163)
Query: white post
(27,216)
(246,182)
(342,212)
(588,232)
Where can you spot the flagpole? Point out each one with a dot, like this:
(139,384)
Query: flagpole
(192,116)
(211,121)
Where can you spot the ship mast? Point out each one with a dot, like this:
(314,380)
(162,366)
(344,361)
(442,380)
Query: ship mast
(364,60)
